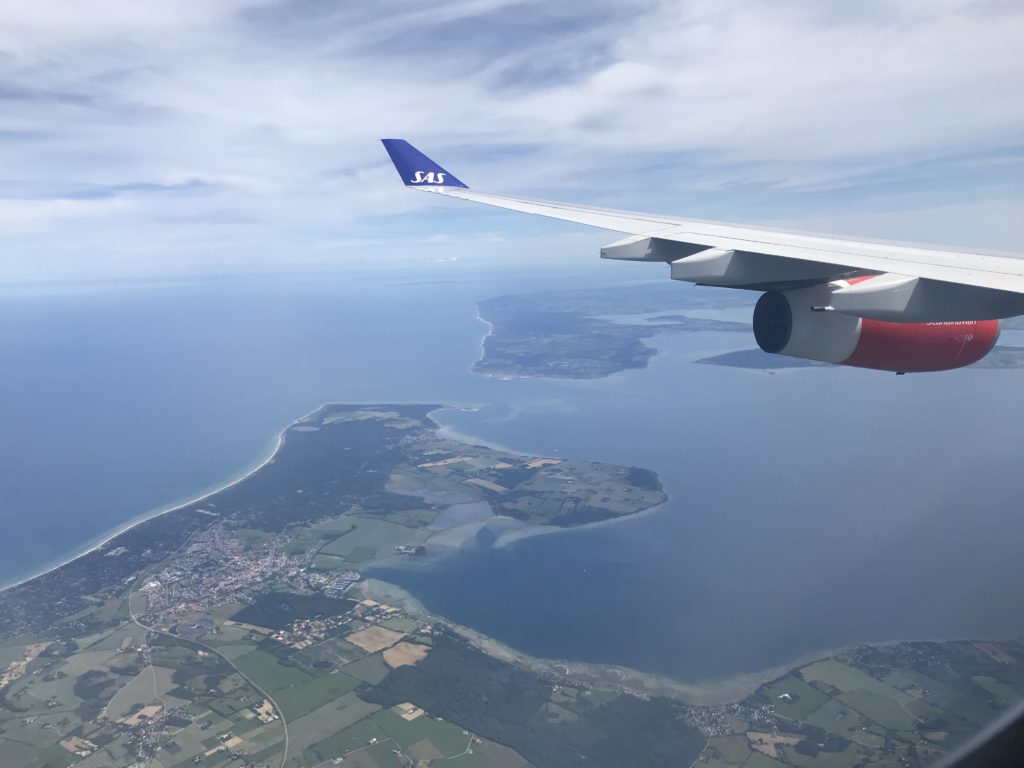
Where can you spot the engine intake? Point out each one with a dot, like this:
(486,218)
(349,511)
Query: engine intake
(787,323)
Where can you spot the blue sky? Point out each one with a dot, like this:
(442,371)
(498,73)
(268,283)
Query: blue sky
(151,139)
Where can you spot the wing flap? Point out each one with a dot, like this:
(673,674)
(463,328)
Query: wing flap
(1002,273)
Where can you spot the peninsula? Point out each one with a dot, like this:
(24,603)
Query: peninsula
(590,333)
(234,630)
(239,630)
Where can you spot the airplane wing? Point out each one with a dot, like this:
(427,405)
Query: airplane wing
(997,272)
(907,283)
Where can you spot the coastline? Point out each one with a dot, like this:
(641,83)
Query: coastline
(483,353)
(511,375)
(727,690)
(710,693)
(490,331)
(452,433)
(173,506)
(275,446)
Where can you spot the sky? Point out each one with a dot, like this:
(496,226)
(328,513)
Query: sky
(146,139)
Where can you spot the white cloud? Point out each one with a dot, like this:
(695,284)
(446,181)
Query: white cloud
(165,137)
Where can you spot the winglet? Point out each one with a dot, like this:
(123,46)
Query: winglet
(415,168)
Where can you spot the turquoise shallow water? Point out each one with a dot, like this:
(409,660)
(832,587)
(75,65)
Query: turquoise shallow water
(808,509)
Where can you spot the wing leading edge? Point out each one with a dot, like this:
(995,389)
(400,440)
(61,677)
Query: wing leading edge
(674,238)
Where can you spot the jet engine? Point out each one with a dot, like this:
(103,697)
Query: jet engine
(802,323)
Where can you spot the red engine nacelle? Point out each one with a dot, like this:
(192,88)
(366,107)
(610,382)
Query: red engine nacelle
(786,324)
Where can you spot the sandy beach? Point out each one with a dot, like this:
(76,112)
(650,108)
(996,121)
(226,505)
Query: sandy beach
(275,447)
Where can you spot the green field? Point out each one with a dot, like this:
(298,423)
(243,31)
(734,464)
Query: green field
(868,739)
(371,669)
(384,756)
(1000,690)
(331,526)
(401,624)
(329,653)
(805,699)
(353,737)
(446,738)
(41,732)
(327,720)
(487,754)
(974,710)
(303,698)
(734,750)
(266,735)
(360,555)
(330,562)
(369,535)
(412,518)
(140,690)
(880,709)
(759,760)
(266,672)
(836,717)
(846,678)
(56,757)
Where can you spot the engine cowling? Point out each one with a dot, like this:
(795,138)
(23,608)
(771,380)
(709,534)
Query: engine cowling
(786,324)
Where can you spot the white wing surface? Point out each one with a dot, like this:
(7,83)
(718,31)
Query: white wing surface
(969,284)
(1004,273)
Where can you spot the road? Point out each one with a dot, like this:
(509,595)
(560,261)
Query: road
(280,713)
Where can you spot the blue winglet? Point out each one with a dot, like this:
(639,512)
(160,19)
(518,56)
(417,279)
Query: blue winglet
(415,168)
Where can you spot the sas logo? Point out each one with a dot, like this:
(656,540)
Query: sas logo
(428,178)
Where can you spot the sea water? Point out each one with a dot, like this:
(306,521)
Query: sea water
(808,509)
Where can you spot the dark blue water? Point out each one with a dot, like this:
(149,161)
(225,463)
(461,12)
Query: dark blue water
(808,510)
